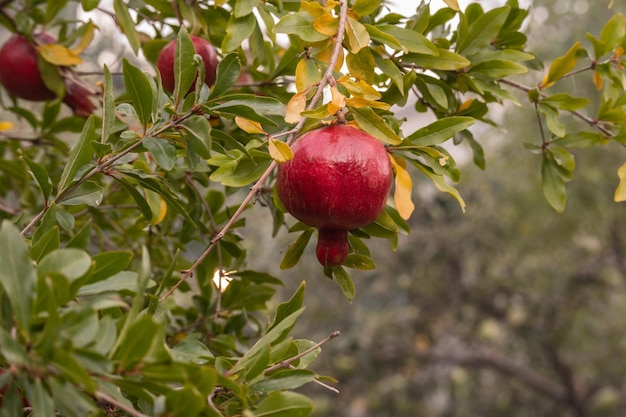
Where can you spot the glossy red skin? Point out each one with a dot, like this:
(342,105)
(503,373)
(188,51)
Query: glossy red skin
(332,247)
(19,74)
(339,179)
(165,62)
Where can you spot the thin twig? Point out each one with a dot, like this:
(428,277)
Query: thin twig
(343,16)
(287,362)
(108,399)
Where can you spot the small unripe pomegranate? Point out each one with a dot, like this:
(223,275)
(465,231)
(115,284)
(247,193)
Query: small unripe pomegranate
(339,179)
(19,74)
(165,62)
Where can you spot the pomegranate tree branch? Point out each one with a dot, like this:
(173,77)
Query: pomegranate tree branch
(254,190)
(592,122)
(103,165)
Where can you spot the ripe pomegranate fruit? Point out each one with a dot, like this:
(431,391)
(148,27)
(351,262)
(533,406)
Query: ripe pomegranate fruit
(339,179)
(20,76)
(165,62)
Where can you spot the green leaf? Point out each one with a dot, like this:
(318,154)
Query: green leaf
(275,335)
(89,193)
(365,7)
(198,135)
(442,185)
(238,30)
(107,264)
(284,404)
(445,61)
(108,106)
(125,281)
(70,262)
(17,274)
(361,65)
(139,198)
(439,131)
(286,379)
(162,150)
(48,242)
(301,25)
(40,400)
(160,186)
(553,184)
(483,31)
(613,32)
(359,261)
(80,155)
(552,119)
(40,175)
(345,282)
(287,308)
(228,71)
(140,91)
(357,35)
(564,101)
(373,124)
(296,249)
(497,69)
(185,70)
(560,67)
(140,341)
(410,40)
(245,7)
(125,22)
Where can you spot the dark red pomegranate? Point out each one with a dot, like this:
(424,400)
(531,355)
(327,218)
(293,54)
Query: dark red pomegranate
(20,76)
(339,179)
(165,62)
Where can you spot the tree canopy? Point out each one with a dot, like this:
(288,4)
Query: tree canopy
(126,285)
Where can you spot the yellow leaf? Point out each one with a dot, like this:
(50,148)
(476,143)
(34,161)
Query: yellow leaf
(358,36)
(560,67)
(620,192)
(465,105)
(6,126)
(326,25)
(597,80)
(249,126)
(358,102)
(338,101)
(453,4)
(157,205)
(315,9)
(403,188)
(359,88)
(85,41)
(58,55)
(326,53)
(296,105)
(307,74)
(280,151)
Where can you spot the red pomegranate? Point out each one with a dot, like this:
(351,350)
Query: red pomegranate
(339,179)
(20,76)
(165,62)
